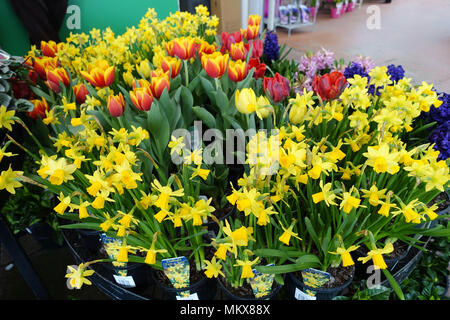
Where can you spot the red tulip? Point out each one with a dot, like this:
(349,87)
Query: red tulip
(159,82)
(258,48)
(141,83)
(173,64)
(260,68)
(252,32)
(215,64)
(237,70)
(330,85)
(49,49)
(142,98)
(20,89)
(254,19)
(43,64)
(116,105)
(278,86)
(228,39)
(184,48)
(80,91)
(55,77)
(32,75)
(238,51)
(100,74)
(206,48)
(40,106)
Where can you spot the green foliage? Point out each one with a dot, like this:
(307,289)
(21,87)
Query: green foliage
(286,67)
(29,205)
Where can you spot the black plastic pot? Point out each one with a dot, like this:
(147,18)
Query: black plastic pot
(140,274)
(90,239)
(205,288)
(321,293)
(230,296)
(45,235)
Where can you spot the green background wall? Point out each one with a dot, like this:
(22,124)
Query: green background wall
(117,14)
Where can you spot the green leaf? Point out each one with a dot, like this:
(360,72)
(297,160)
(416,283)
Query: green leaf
(209,89)
(169,108)
(222,101)
(438,231)
(205,116)
(395,286)
(187,102)
(304,263)
(42,94)
(158,125)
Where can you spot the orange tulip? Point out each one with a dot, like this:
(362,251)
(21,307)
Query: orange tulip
(237,70)
(80,91)
(254,20)
(142,98)
(238,51)
(169,48)
(141,83)
(160,81)
(100,74)
(215,64)
(40,106)
(55,77)
(184,48)
(41,65)
(206,48)
(116,105)
(49,49)
(252,32)
(171,65)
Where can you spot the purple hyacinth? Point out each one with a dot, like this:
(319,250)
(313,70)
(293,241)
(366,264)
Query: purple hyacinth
(271,47)
(395,72)
(355,68)
(442,113)
(366,62)
(441,139)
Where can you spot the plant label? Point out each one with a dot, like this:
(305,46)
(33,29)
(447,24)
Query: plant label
(300,295)
(193,296)
(126,281)
(177,270)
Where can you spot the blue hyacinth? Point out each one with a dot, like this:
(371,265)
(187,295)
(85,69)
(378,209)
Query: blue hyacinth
(395,72)
(441,139)
(355,68)
(271,47)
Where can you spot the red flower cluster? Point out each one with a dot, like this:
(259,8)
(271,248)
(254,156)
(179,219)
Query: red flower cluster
(330,85)
(278,86)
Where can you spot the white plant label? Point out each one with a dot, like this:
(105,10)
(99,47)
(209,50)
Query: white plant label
(193,296)
(127,281)
(300,295)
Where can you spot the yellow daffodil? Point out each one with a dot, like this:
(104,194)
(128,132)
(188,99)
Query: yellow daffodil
(325,195)
(288,233)
(63,204)
(77,276)
(212,268)
(202,173)
(165,193)
(345,255)
(10,180)
(246,267)
(6,118)
(377,256)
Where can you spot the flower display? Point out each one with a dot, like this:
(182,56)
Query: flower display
(331,163)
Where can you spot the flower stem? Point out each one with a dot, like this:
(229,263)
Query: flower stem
(186,72)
